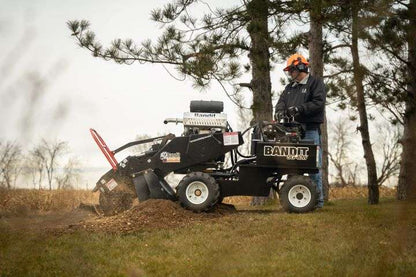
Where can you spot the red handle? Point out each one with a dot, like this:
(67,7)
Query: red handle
(106,151)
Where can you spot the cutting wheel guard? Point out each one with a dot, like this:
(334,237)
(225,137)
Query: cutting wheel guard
(109,155)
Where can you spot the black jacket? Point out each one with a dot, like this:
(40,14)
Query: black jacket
(309,98)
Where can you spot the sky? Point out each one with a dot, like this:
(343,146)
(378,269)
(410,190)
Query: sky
(51,88)
(76,91)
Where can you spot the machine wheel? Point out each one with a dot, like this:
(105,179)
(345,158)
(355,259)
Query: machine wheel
(112,203)
(299,194)
(198,192)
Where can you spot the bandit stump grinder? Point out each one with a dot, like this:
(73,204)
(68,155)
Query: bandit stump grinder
(207,154)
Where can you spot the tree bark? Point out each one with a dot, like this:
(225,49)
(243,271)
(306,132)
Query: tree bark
(317,69)
(373,190)
(260,60)
(260,66)
(325,162)
(407,177)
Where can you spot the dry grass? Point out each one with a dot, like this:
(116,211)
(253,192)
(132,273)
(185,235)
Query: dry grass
(358,192)
(334,194)
(25,201)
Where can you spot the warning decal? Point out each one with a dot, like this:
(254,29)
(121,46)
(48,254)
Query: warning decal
(230,138)
(111,184)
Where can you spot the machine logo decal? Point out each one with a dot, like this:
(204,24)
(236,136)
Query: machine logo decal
(167,157)
(204,114)
(289,152)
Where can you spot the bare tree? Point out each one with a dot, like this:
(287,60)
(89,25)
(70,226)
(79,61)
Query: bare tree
(29,171)
(10,163)
(70,174)
(48,154)
(342,153)
(389,148)
(36,165)
(353,174)
(387,151)
(340,147)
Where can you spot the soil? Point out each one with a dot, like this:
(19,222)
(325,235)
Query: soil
(116,202)
(149,215)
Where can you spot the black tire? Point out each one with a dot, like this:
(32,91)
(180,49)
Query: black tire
(205,192)
(299,194)
(115,202)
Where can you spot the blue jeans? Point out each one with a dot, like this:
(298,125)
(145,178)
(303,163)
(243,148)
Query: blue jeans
(317,178)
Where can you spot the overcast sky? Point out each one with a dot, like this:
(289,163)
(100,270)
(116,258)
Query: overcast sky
(51,88)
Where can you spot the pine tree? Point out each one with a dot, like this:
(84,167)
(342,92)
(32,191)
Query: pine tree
(395,39)
(348,84)
(317,18)
(206,49)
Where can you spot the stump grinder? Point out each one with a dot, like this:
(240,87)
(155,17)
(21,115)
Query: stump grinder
(208,155)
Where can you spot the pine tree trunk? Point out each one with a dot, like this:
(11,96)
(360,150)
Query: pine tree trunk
(407,177)
(260,60)
(260,66)
(373,190)
(317,69)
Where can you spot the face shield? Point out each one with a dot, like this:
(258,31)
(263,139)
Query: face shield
(292,73)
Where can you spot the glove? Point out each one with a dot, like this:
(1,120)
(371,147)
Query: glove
(292,111)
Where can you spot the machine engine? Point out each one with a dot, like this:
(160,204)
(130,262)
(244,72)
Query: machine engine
(205,117)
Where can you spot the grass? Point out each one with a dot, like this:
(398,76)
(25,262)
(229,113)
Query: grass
(346,238)
(25,202)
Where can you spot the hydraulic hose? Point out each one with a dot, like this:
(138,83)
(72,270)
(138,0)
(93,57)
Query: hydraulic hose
(242,134)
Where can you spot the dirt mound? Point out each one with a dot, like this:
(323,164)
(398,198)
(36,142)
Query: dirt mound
(151,214)
(115,203)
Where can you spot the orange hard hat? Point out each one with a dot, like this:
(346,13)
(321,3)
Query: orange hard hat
(294,60)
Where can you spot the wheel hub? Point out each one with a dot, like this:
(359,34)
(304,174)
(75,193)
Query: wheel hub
(300,196)
(197,192)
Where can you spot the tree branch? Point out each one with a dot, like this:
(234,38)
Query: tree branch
(338,73)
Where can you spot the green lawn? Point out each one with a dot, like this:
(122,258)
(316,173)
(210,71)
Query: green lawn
(346,238)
